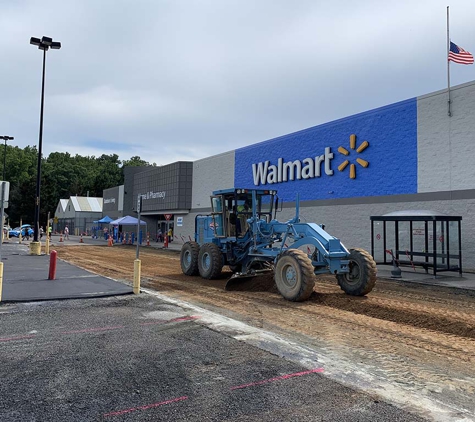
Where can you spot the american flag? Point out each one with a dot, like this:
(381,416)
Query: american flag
(459,55)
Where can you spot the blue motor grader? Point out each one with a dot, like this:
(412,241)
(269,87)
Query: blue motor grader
(242,232)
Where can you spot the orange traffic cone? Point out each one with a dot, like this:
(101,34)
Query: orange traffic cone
(123,239)
(61,236)
(148,239)
(109,242)
(80,239)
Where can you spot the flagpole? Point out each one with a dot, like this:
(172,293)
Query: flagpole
(448,64)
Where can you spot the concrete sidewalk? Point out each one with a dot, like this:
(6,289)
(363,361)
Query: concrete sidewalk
(25,278)
(454,280)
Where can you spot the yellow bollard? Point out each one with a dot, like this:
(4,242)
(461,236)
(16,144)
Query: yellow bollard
(1,280)
(137,266)
(47,245)
(35,248)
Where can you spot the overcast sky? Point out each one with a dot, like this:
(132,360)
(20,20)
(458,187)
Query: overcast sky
(171,80)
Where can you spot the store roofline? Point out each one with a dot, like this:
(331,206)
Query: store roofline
(174,212)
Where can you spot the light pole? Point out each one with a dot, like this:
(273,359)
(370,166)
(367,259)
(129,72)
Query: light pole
(5,138)
(44,44)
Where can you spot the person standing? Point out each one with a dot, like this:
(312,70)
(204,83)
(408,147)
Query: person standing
(66,233)
(50,230)
(41,232)
(25,233)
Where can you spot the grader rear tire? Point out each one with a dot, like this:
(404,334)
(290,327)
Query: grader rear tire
(210,261)
(362,276)
(189,258)
(294,275)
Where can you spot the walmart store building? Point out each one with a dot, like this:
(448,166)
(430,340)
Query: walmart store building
(405,156)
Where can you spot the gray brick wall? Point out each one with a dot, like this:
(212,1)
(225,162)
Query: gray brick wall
(210,174)
(129,198)
(352,225)
(444,165)
(446,144)
(165,188)
(188,229)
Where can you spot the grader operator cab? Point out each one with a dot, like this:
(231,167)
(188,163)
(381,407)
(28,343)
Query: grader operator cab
(242,232)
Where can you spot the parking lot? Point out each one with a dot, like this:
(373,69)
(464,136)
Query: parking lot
(372,353)
(137,358)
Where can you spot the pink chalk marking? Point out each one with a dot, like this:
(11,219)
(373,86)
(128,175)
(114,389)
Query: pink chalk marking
(283,377)
(148,406)
(186,318)
(16,338)
(92,330)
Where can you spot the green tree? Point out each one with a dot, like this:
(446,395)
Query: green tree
(62,176)
(109,173)
(136,161)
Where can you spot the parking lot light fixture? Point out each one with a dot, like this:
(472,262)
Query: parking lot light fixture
(44,44)
(5,138)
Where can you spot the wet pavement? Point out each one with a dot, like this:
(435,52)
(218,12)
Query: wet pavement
(25,278)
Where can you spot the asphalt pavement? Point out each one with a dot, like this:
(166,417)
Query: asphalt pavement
(138,358)
(119,356)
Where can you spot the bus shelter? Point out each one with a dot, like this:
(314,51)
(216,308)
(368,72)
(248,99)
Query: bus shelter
(419,238)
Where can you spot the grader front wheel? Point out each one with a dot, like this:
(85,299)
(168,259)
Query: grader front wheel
(294,275)
(361,278)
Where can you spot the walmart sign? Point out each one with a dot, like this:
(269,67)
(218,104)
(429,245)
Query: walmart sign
(369,154)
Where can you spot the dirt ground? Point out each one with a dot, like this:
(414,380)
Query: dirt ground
(419,337)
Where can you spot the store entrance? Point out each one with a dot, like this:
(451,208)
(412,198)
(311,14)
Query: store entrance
(163,228)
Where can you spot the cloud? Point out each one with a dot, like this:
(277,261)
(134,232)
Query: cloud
(179,80)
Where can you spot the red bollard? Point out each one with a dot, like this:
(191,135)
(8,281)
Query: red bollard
(52,265)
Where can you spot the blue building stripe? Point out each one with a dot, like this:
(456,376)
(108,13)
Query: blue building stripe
(369,154)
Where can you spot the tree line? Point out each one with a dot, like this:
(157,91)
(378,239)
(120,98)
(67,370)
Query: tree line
(62,176)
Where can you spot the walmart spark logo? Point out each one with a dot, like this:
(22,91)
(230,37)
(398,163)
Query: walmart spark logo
(360,161)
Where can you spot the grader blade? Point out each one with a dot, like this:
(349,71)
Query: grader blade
(258,281)
(237,280)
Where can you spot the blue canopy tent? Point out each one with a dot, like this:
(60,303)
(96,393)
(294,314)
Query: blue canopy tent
(105,220)
(96,229)
(127,221)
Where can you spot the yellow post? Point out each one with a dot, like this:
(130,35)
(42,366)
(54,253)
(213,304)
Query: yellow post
(35,248)
(1,280)
(137,267)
